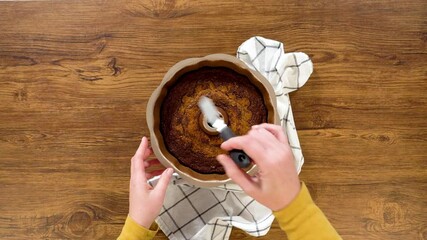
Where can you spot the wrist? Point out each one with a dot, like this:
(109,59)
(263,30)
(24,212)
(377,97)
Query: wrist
(288,197)
(143,222)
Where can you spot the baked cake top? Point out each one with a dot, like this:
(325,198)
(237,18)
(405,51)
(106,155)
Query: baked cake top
(184,136)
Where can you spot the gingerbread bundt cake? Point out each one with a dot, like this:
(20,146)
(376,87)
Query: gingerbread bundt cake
(184,136)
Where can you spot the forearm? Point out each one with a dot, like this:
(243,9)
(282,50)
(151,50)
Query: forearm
(302,219)
(132,231)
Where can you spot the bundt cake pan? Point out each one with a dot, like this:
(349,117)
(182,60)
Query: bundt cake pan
(155,103)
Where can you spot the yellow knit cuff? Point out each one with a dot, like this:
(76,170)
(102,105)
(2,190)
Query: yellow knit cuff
(133,231)
(302,219)
(301,201)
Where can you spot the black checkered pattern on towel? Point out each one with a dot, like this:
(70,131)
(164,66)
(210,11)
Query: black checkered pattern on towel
(201,207)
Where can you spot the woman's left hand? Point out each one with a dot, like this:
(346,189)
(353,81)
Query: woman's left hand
(145,201)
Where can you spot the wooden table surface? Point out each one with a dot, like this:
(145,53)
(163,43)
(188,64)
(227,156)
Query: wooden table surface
(75,78)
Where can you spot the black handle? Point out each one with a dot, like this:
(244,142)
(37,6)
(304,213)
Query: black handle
(239,157)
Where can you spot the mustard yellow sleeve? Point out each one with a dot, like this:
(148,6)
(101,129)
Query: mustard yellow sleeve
(133,231)
(303,220)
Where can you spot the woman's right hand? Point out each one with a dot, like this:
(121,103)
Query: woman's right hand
(276,184)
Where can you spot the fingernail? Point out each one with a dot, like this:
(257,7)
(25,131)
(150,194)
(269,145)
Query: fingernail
(169,171)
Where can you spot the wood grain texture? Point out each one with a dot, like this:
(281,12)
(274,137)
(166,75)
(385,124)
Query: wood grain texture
(75,77)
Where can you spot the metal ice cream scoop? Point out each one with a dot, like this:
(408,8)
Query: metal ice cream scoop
(211,113)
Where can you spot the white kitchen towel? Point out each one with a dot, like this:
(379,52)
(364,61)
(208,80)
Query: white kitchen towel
(286,72)
(195,213)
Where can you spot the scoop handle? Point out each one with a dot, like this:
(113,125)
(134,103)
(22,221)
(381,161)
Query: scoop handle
(239,157)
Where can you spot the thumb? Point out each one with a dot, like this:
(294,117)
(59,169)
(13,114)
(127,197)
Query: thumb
(162,185)
(237,175)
